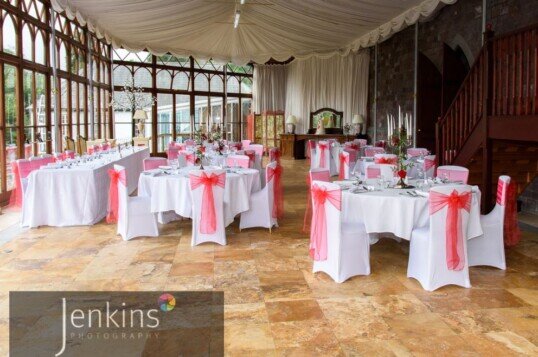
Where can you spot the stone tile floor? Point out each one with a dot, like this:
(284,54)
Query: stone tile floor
(274,305)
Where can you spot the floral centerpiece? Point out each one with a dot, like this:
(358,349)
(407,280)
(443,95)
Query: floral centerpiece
(399,141)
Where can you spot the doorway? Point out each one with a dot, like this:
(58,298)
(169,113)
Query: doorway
(429,84)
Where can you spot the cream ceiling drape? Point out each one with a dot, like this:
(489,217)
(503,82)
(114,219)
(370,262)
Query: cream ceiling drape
(267,28)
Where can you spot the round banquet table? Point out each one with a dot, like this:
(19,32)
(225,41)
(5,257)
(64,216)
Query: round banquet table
(171,192)
(387,211)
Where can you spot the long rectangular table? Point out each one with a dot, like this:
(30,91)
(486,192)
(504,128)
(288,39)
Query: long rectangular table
(293,145)
(78,195)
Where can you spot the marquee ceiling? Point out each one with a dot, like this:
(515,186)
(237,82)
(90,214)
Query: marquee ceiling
(267,28)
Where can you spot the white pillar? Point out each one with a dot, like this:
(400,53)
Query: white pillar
(415,87)
(56,133)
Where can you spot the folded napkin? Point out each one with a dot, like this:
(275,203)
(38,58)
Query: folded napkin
(422,193)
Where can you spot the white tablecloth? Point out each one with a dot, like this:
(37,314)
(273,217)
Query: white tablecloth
(389,212)
(77,195)
(172,193)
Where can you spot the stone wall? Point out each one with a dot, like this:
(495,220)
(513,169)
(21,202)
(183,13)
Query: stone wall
(458,25)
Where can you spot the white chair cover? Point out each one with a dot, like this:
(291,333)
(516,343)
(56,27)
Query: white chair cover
(344,162)
(261,205)
(488,249)
(134,216)
(348,246)
(453,173)
(428,248)
(258,149)
(238,161)
(429,166)
(323,155)
(197,194)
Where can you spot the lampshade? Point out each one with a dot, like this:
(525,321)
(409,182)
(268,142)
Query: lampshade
(140,114)
(291,119)
(358,119)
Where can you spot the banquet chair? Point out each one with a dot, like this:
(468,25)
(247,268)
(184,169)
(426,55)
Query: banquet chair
(344,161)
(69,154)
(311,153)
(263,210)
(430,261)
(361,142)
(173,152)
(339,249)
(133,213)
(258,149)
(105,146)
(372,150)
(318,174)
(274,155)
(245,144)
(21,170)
(413,152)
(353,154)
(69,143)
(488,249)
(238,161)
(151,163)
(376,170)
(251,154)
(323,155)
(207,194)
(82,146)
(453,173)
(385,159)
(186,158)
(428,167)
(190,142)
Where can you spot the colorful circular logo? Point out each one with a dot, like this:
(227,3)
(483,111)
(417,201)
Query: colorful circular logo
(167,302)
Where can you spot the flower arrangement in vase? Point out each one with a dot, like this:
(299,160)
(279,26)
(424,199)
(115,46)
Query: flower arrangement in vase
(199,152)
(399,141)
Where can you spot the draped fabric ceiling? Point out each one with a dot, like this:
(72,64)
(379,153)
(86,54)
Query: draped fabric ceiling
(267,28)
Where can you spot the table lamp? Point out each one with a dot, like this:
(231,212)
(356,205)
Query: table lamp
(358,121)
(141,116)
(290,122)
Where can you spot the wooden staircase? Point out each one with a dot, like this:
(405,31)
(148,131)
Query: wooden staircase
(492,124)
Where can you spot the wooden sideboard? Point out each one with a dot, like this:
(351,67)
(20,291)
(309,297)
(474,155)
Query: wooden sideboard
(293,145)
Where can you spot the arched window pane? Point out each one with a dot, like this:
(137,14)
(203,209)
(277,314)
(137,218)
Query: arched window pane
(142,78)
(9,36)
(232,85)
(164,79)
(39,48)
(201,83)
(246,85)
(181,81)
(122,75)
(216,84)
(62,60)
(27,43)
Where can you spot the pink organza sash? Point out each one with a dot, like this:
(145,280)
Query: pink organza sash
(318,231)
(322,148)
(344,160)
(208,217)
(278,194)
(251,157)
(455,258)
(507,197)
(116,177)
(428,164)
(385,160)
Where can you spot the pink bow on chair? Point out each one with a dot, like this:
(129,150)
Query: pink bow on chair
(251,157)
(428,164)
(344,160)
(322,148)
(278,202)
(507,197)
(16,194)
(455,258)
(318,231)
(115,177)
(208,217)
(190,158)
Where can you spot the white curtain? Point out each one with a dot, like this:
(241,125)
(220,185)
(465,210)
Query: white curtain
(339,82)
(269,88)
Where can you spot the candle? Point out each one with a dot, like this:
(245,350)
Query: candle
(399,117)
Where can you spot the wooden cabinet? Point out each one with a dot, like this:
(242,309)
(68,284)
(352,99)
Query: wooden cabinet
(266,128)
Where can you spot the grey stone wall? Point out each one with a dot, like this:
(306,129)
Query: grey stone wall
(457,25)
